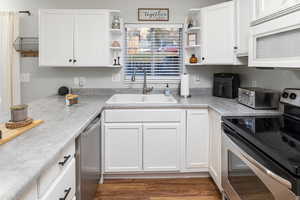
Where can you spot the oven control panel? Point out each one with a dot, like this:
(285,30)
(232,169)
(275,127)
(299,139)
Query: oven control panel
(291,96)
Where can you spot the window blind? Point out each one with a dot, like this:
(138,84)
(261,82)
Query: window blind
(156,48)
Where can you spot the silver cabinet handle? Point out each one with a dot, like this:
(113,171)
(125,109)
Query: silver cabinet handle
(267,172)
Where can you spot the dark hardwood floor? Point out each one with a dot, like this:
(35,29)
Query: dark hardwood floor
(159,189)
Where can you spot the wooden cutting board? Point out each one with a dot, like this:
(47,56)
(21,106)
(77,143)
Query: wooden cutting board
(9,134)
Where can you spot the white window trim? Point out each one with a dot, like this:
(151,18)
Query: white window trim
(150,79)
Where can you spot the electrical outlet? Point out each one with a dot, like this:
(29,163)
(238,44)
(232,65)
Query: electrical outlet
(76,82)
(25,77)
(82,81)
(116,77)
(197,77)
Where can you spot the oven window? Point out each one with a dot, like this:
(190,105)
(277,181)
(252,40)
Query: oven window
(244,181)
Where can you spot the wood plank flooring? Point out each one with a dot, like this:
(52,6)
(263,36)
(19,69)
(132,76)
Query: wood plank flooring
(159,189)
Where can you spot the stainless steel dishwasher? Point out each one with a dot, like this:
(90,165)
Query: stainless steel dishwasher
(88,161)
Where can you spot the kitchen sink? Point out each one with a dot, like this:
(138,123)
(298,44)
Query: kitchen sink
(141,98)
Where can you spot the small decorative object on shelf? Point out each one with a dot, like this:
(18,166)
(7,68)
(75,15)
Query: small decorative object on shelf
(115,61)
(118,60)
(190,24)
(116,24)
(71,99)
(193,59)
(115,44)
(192,39)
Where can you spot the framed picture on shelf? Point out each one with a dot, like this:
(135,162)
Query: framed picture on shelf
(192,39)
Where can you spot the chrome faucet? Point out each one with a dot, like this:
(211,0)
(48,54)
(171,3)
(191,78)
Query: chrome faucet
(146,89)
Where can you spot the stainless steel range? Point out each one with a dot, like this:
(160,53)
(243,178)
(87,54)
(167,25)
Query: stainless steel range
(261,155)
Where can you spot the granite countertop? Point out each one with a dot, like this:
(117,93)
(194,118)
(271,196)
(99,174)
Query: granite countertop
(23,159)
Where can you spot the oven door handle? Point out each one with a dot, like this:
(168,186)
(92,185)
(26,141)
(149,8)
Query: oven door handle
(267,172)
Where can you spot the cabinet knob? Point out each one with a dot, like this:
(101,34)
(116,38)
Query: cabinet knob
(70,60)
(203,58)
(74,61)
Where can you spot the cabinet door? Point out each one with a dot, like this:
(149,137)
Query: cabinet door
(161,147)
(215,147)
(92,39)
(218,34)
(123,147)
(242,18)
(197,140)
(56,38)
(263,8)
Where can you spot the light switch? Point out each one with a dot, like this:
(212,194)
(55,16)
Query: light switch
(76,82)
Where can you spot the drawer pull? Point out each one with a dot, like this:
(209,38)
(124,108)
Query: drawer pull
(66,158)
(67,192)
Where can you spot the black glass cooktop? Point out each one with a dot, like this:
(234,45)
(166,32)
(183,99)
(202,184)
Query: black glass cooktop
(277,137)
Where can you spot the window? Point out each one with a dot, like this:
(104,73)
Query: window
(155,48)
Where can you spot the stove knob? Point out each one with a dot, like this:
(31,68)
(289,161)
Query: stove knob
(285,95)
(293,96)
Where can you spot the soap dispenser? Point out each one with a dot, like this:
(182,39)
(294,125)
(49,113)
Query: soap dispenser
(167,90)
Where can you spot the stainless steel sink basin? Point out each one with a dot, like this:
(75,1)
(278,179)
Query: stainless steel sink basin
(141,99)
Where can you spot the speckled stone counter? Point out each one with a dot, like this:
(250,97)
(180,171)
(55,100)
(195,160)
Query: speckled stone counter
(23,159)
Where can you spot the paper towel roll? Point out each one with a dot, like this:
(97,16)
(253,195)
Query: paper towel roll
(185,85)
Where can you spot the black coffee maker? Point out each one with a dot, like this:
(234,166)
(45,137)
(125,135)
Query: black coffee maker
(226,85)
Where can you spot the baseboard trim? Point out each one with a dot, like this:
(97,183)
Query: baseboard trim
(157,175)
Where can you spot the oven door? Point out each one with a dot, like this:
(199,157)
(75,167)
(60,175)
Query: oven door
(243,178)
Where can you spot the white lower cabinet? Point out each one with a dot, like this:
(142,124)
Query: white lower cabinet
(197,140)
(215,136)
(64,186)
(161,147)
(156,141)
(123,147)
(145,140)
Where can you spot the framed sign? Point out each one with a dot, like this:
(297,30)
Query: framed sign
(153,14)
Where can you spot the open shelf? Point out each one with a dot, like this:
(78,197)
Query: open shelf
(117,31)
(193,64)
(198,28)
(116,48)
(192,46)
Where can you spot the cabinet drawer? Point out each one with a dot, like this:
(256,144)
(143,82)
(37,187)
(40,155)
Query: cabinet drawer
(49,176)
(143,116)
(64,186)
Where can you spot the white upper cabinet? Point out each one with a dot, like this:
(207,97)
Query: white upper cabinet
(275,42)
(56,38)
(264,8)
(91,46)
(242,18)
(218,34)
(75,38)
